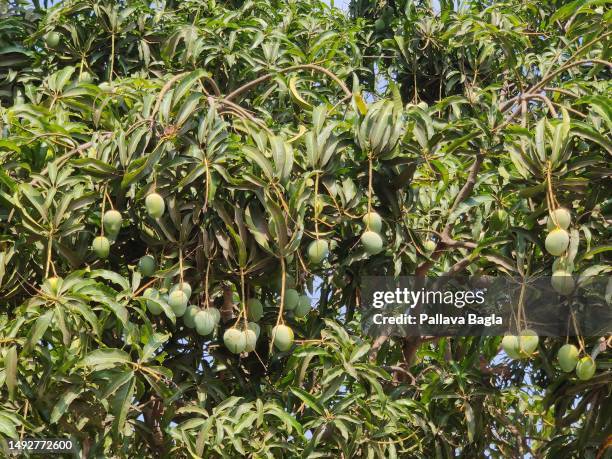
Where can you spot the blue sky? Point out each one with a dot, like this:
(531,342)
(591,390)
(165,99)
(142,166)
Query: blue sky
(342,4)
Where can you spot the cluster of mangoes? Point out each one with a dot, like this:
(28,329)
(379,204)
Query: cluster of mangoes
(177,298)
(525,344)
(112,221)
(569,360)
(371,240)
(295,304)
(237,339)
(556,243)
(243,336)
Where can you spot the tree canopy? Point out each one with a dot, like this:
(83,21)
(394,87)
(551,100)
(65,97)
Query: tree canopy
(246,148)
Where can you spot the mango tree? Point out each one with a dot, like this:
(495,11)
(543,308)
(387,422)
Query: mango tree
(191,193)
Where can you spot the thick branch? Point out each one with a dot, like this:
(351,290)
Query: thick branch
(546,101)
(376,345)
(459,266)
(411,345)
(464,192)
(445,237)
(227,309)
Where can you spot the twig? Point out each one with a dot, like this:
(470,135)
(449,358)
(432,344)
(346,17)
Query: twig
(269,76)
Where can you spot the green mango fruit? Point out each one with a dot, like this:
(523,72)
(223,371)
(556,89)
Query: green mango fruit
(205,322)
(184,286)
(189,316)
(559,218)
(111,221)
(318,251)
(52,39)
(155,205)
(303,307)
(146,265)
(562,282)
(556,242)
(291,299)
(153,306)
(568,357)
(178,302)
(528,342)
(101,247)
(282,336)
(510,345)
(255,327)
(372,221)
(234,340)
(372,242)
(585,368)
(251,340)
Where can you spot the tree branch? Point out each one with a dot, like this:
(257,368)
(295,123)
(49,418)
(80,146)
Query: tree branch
(269,76)
(465,191)
(411,345)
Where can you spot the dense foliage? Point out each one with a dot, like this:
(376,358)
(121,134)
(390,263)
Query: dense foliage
(267,126)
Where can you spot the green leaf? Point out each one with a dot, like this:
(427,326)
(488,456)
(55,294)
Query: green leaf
(587,132)
(10,365)
(95,167)
(119,310)
(139,167)
(565,11)
(187,108)
(8,181)
(594,251)
(38,330)
(308,400)
(193,174)
(101,359)
(468,204)
(155,342)
(442,169)
(122,403)
(532,191)
(86,312)
(311,350)
(260,160)
(63,403)
(167,310)
(282,153)
(113,277)
(461,141)
(187,83)
(115,383)
(7,427)
(288,419)
(359,352)
(59,79)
